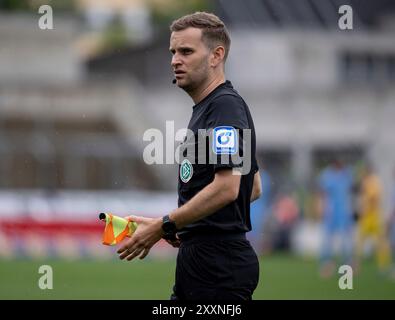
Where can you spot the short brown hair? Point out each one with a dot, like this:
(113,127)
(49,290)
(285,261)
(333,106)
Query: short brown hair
(214,31)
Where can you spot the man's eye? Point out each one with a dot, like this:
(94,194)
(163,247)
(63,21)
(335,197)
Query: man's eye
(187,51)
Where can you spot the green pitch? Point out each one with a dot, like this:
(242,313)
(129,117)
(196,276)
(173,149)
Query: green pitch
(282,277)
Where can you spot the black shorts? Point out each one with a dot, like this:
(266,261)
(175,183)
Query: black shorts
(216,267)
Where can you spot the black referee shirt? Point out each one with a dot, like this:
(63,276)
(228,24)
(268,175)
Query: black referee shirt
(221,136)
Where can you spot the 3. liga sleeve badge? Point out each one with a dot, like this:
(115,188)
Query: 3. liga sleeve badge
(225,140)
(186,171)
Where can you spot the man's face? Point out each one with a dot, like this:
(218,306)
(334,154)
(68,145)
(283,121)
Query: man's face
(190,59)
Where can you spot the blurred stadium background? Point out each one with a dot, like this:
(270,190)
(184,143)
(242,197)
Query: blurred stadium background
(75,102)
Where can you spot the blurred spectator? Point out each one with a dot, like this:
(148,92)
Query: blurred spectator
(286,212)
(335,184)
(370,221)
(391,228)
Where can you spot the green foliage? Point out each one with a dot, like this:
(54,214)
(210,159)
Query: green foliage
(14,4)
(114,36)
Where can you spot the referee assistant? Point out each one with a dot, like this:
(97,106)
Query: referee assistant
(215,260)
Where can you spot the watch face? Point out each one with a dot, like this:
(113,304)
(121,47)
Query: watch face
(165,227)
(168,226)
(169,236)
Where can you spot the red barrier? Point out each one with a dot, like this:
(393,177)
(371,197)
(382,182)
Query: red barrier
(18,226)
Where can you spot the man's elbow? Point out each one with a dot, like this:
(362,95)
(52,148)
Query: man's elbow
(256,195)
(259,190)
(256,187)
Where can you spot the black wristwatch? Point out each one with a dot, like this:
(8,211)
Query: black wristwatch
(169,228)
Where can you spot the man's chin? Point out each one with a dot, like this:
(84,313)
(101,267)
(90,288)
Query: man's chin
(183,84)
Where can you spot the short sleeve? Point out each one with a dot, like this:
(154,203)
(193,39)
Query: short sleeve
(227,110)
(230,133)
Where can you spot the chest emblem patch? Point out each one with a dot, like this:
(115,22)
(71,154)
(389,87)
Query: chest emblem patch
(186,171)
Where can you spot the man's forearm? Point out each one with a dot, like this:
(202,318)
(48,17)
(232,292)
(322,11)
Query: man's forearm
(212,198)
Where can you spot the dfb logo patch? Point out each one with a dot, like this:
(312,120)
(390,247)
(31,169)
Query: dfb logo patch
(186,171)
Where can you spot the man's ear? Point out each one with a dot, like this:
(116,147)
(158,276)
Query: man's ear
(217,56)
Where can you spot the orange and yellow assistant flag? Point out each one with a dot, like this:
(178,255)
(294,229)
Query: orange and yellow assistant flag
(116,228)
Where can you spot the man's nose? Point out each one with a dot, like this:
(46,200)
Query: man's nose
(175,60)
